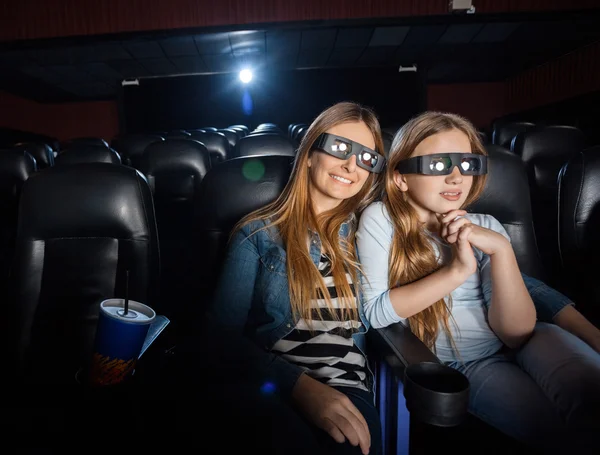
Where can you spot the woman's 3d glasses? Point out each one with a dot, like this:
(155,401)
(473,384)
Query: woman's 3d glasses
(443,164)
(343,148)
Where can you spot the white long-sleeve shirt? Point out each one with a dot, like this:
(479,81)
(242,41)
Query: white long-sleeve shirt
(473,336)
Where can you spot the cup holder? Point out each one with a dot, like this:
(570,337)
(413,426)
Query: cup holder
(436,394)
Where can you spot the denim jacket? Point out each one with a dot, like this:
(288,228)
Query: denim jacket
(252,298)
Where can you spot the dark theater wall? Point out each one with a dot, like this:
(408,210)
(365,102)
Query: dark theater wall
(282,97)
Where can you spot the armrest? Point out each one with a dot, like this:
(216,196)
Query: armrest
(399,347)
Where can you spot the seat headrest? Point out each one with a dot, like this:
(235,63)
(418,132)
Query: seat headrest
(237,187)
(504,132)
(134,144)
(264,144)
(43,153)
(15,168)
(215,142)
(552,142)
(173,155)
(87,200)
(579,192)
(506,194)
(87,153)
(84,140)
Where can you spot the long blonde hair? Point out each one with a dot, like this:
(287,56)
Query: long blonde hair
(412,255)
(293,215)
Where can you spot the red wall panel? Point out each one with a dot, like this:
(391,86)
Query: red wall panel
(27,19)
(62,121)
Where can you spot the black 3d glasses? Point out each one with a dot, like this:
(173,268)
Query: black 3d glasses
(443,164)
(343,148)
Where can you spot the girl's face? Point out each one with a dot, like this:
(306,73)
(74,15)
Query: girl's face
(437,194)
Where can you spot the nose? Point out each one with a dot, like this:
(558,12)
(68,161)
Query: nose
(455,177)
(350,164)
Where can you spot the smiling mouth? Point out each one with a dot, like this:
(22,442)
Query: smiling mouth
(340,179)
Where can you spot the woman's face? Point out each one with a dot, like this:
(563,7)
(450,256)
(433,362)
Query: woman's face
(332,179)
(431,194)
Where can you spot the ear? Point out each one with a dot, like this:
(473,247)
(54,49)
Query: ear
(400,181)
(309,160)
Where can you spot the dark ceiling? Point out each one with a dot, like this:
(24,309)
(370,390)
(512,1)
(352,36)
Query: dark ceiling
(463,48)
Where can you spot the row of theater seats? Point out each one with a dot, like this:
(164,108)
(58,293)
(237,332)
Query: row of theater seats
(70,232)
(175,169)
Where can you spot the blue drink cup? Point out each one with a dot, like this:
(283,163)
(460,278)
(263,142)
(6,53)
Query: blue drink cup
(119,340)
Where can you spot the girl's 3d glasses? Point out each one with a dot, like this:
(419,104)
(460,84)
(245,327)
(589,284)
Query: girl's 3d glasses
(443,164)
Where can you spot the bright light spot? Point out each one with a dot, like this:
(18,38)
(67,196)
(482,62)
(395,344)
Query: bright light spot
(465,165)
(245,76)
(439,166)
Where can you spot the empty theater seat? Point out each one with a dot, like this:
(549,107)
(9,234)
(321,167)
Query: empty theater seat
(579,226)
(544,152)
(504,131)
(216,143)
(83,141)
(15,168)
(175,169)
(264,144)
(80,228)
(43,153)
(131,146)
(87,153)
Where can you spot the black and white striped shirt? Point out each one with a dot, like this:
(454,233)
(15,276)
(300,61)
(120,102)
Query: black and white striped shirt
(328,353)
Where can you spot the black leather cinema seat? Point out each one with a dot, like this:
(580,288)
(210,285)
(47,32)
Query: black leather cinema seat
(264,144)
(86,153)
(579,228)
(80,228)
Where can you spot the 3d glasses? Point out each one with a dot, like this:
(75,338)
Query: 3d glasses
(343,148)
(443,164)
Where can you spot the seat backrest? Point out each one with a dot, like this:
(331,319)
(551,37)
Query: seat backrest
(15,168)
(578,228)
(175,169)
(264,144)
(80,228)
(43,153)
(131,146)
(216,143)
(503,132)
(506,197)
(230,191)
(83,141)
(87,153)
(544,152)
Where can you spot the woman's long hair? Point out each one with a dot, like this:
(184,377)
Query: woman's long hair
(293,215)
(412,255)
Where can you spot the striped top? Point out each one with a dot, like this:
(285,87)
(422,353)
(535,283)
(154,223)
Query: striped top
(328,353)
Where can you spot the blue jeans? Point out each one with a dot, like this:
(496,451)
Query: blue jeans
(546,393)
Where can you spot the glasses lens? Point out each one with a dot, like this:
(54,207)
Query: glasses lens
(470,164)
(341,147)
(368,159)
(440,164)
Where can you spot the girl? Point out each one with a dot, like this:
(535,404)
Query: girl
(288,284)
(453,278)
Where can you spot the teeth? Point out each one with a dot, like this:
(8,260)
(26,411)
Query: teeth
(451,194)
(341,179)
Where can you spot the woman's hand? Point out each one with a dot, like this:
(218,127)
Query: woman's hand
(332,411)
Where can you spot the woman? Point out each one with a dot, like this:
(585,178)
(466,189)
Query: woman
(454,279)
(288,284)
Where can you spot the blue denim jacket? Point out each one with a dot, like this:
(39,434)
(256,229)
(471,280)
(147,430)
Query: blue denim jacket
(252,298)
